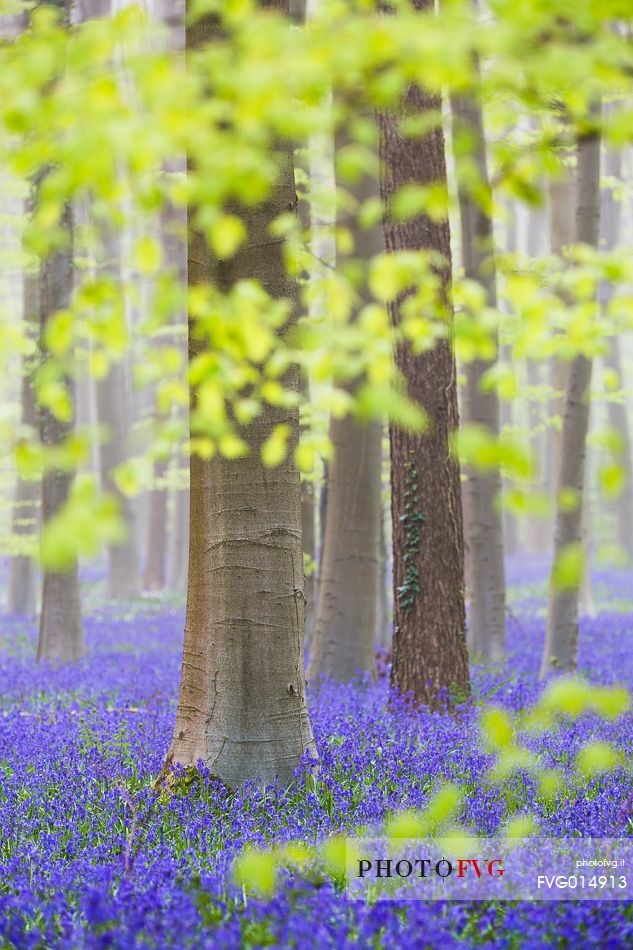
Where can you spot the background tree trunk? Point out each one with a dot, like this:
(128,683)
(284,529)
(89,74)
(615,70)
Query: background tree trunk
(344,628)
(21,586)
(561,644)
(483,520)
(178,554)
(308,521)
(510,524)
(242,707)
(113,412)
(156,543)
(429,655)
(61,635)
(617,411)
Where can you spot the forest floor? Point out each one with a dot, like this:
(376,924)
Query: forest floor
(91,857)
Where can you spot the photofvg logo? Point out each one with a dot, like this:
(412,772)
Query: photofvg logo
(422,867)
(489,869)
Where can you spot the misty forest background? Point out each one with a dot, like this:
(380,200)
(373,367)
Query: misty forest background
(315,330)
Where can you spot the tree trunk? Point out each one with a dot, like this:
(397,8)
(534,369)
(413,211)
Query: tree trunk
(510,523)
(154,576)
(561,234)
(617,411)
(242,707)
(561,644)
(61,636)
(383,610)
(21,587)
(429,655)
(344,627)
(308,521)
(178,559)
(619,420)
(483,519)
(113,413)
(343,640)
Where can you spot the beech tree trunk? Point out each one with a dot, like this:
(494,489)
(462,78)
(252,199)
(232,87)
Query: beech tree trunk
(344,628)
(619,420)
(383,611)
(617,411)
(308,521)
(178,555)
(510,524)
(429,654)
(343,641)
(154,575)
(61,635)
(242,706)
(561,643)
(113,412)
(561,235)
(482,515)
(21,586)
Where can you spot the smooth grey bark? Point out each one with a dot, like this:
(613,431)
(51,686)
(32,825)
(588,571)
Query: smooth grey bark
(242,705)
(179,541)
(561,643)
(483,522)
(113,413)
(561,235)
(617,411)
(156,541)
(61,635)
(308,521)
(22,580)
(510,524)
(384,611)
(172,227)
(343,643)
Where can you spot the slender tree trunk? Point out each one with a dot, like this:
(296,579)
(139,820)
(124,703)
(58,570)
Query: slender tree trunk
(113,412)
(61,636)
(178,556)
(537,535)
(21,588)
(483,520)
(617,411)
(343,640)
(242,707)
(619,420)
(510,525)
(308,521)
(561,644)
(383,610)
(429,655)
(344,627)
(561,234)
(154,576)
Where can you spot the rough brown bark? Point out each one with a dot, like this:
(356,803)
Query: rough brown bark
(561,643)
(242,708)
(482,516)
(61,636)
(429,655)
(21,585)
